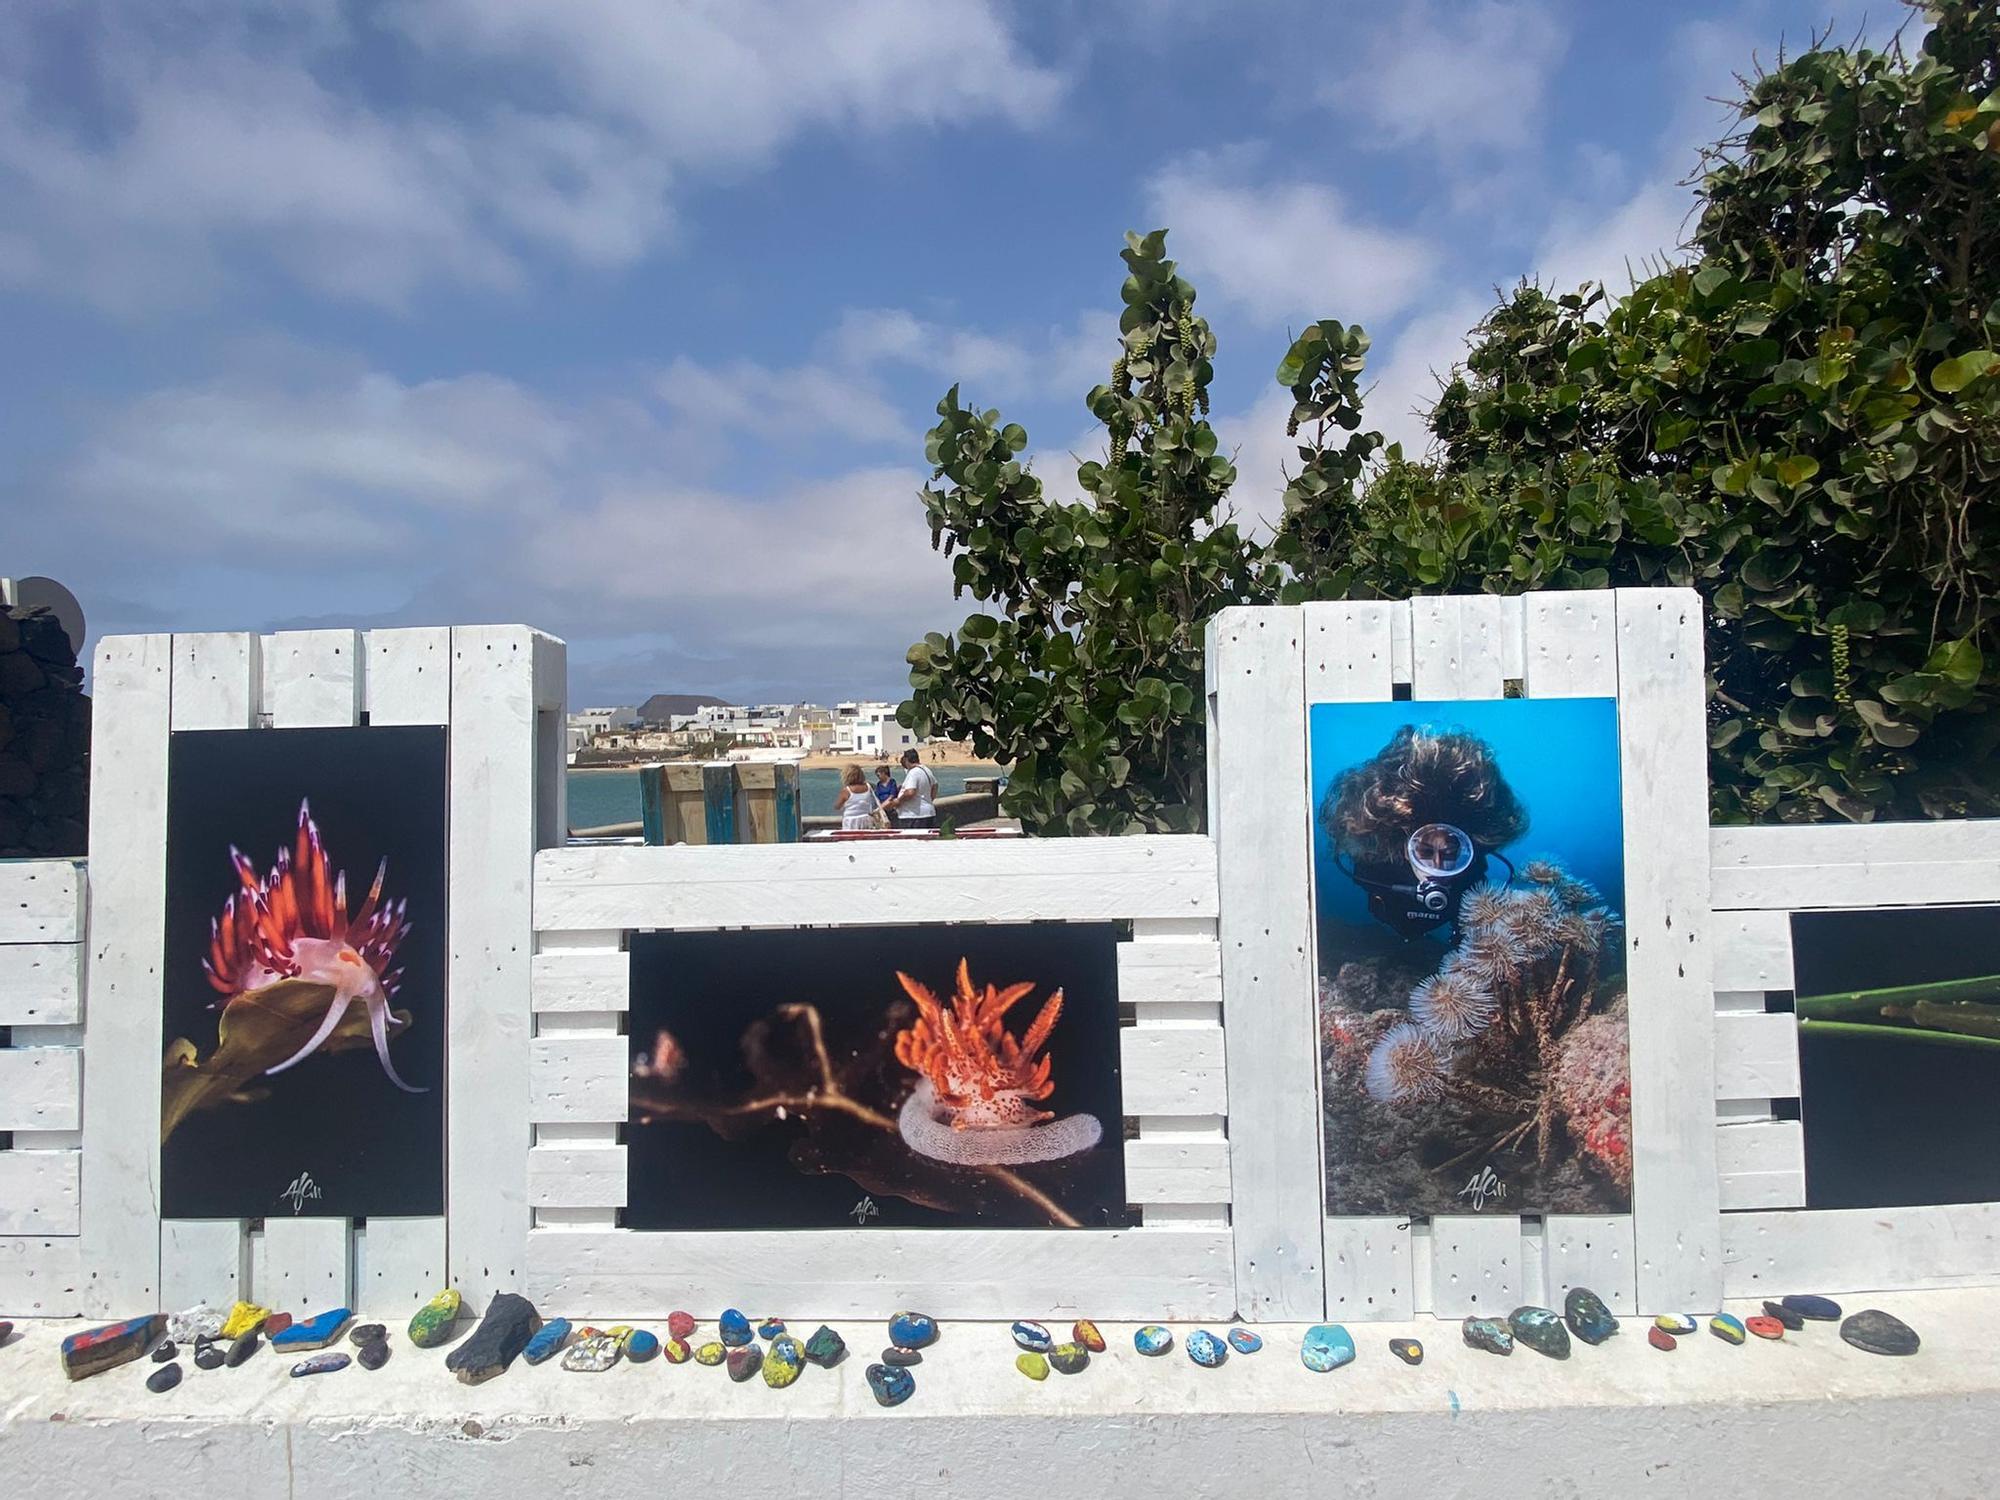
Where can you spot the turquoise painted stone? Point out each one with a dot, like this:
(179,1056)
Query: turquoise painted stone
(1489,1334)
(547,1342)
(892,1386)
(733,1329)
(109,1346)
(1726,1328)
(1153,1339)
(1541,1330)
(783,1361)
(323,1363)
(641,1345)
(1205,1349)
(1875,1332)
(825,1347)
(913,1330)
(1069,1359)
(1243,1341)
(1327,1346)
(1817,1309)
(1588,1318)
(1033,1337)
(1409,1351)
(771,1328)
(315,1332)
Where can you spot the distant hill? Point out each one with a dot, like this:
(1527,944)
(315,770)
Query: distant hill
(663,706)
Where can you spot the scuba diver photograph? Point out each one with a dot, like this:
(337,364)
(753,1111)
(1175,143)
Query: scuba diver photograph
(1468,863)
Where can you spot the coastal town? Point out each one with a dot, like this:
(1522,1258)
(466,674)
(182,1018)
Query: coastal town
(684,727)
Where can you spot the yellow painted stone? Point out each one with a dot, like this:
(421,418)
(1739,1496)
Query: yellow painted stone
(431,1324)
(1032,1365)
(1679,1324)
(243,1317)
(710,1353)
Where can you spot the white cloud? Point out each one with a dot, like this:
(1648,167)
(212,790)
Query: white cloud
(1062,361)
(744,396)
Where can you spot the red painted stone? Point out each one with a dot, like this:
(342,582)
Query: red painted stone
(1659,1338)
(277,1323)
(680,1324)
(1765,1328)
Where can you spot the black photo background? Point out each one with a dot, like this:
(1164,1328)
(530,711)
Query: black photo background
(741,1121)
(1900,1094)
(331,1136)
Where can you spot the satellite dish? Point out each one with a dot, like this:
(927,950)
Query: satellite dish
(46,593)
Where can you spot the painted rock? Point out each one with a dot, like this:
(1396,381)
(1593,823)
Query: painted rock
(323,1363)
(278,1322)
(680,1324)
(1678,1324)
(510,1321)
(744,1361)
(901,1358)
(593,1354)
(315,1332)
(892,1386)
(165,1350)
(164,1379)
(1765,1328)
(642,1344)
(1033,1337)
(1327,1346)
(733,1329)
(1409,1351)
(371,1333)
(1541,1330)
(1489,1334)
(711,1353)
(547,1342)
(677,1351)
(913,1330)
(771,1328)
(208,1356)
(1206,1350)
(1084,1332)
(199,1321)
(1032,1364)
(1588,1318)
(783,1361)
(431,1324)
(1243,1341)
(241,1349)
(243,1318)
(1660,1339)
(374,1355)
(1792,1321)
(1726,1328)
(1153,1339)
(1877,1332)
(1814,1309)
(825,1348)
(1069,1359)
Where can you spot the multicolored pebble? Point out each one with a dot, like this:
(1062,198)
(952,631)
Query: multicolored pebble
(901,1358)
(1678,1324)
(1489,1334)
(547,1342)
(892,1386)
(825,1348)
(323,1363)
(315,1332)
(1153,1339)
(1243,1341)
(1814,1309)
(1409,1351)
(1326,1346)
(1206,1350)
(1541,1330)
(243,1318)
(1084,1332)
(1068,1359)
(677,1351)
(680,1324)
(592,1354)
(744,1361)
(783,1361)
(913,1330)
(1033,1337)
(733,1329)
(1587,1316)
(771,1328)
(431,1324)
(1726,1328)
(1660,1339)
(640,1345)
(1031,1364)
(711,1353)
(1765,1328)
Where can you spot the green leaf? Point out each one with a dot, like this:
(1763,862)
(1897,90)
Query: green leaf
(1954,375)
(1958,662)
(1797,469)
(979,628)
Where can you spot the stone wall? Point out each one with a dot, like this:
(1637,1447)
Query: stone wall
(44,739)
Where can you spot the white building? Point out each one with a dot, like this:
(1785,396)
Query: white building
(599,720)
(877,734)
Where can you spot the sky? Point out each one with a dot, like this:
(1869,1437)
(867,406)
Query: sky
(625,318)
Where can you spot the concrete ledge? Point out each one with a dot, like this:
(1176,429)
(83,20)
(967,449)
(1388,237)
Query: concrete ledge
(1807,1416)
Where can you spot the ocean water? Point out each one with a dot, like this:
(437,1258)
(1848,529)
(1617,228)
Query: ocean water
(600,797)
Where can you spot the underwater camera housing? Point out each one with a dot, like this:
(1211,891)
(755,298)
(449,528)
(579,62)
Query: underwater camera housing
(1443,863)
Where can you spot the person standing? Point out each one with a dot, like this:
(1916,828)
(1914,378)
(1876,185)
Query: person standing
(915,805)
(885,783)
(857,805)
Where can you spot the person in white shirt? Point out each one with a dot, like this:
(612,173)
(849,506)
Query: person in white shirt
(915,806)
(858,807)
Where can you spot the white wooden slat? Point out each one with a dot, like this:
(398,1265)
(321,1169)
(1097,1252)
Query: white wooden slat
(202,1260)
(1589,1250)
(579,981)
(951,1273)
(40,1192)
(787,885)
(312,678)
(41,900)
(1455,645)
(580,1177)
(1753,950)
(41,984)
(1369,1275)
(1173,929)
(1761,1164)
(1475,1265)
(1756,1055)
(41,1088)
(1349,655)
(1821,866)
(1177,1170)
(1861,1249)
(41,1277)
(1571,644)
(217,680)
(399,1264)
(1400,644)
(1513,642)
(1170,974)
(1255,665)
(578,1078)
(306,1267)
(1171,1070)
(406,677)
(1663,761)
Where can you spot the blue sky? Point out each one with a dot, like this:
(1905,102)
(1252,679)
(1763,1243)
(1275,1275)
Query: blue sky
(625,318)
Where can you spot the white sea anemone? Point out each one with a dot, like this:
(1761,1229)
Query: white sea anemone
(1484,906)
(1452,1006)
(1407,1064)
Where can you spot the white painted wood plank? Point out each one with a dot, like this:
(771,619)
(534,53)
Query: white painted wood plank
(1170,1070)
(1589,1250)
(1256,775)
(407,675)
(202,1260)
(1176,1170)
(41,900)
(1455,645)
(1820,866)
(950,1273)
(1170,974)
(579,1078)
(41,1277)
(1861,1249)
(1756,1055)
(577,981)
(1369,1277)
(1753,950)
(41,984)
(1571,644)
(307,1265)
(1513,642)
(1761,1164)
(786,885)
(582,1177)
(1400,643)
(1475,1265)
(312,678)
(1663,760)
(41,1088)
(1348,651)
(217,680)
(40,1192)
(399,1265)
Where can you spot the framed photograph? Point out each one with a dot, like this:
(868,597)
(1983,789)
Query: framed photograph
(1468,880)
(304,978)
(914,1077)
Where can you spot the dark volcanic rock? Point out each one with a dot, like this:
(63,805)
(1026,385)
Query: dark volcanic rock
(510,1321)
(165,1378)
(1880,1333)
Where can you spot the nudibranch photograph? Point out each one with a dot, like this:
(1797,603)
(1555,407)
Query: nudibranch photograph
(1468,879)
(916,1076)
(303,1035)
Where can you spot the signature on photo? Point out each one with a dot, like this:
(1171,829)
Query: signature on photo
(1483,1188)
(301,1190)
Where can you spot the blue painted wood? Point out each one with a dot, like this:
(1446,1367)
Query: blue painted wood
(718,800)
(786,805)
(653,803)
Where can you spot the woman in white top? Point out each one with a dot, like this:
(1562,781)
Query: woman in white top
(856,803)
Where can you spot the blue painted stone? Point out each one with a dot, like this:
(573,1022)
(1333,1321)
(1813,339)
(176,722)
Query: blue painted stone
(733,1329)
(892,1386)
(1327,1346)
(1726,1328)
(1541,1330)
(1819,1309)
(912,1330)
(1153,1339)
(1033,1337)
(1588,1318)
(319,1364)
(771,1328)
(1489,1334)
(315,1332)
(548,1342)
(1205,1349)
(641,1344)
(1243,1341)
